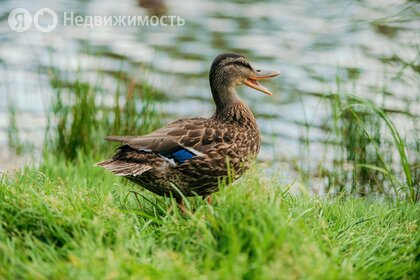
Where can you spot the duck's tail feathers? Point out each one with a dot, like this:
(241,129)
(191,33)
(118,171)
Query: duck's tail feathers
(119,138)
(123,168)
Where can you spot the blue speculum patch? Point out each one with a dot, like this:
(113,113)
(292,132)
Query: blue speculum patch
(179,156)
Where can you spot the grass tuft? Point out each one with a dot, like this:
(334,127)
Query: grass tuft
(80,117)
(369,154)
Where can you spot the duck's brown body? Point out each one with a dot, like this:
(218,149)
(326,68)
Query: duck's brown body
(233,140)
(191,156)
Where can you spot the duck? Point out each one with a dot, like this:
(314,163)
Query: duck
(192,156)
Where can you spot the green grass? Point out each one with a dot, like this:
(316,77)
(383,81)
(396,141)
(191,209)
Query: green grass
(369,153)
(66,220)
(80,117)
(13,137)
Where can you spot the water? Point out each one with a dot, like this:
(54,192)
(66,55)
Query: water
(368,43)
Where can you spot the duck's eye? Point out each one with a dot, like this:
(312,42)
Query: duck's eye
(258,70)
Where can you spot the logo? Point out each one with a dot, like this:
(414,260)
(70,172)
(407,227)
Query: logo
(45,20)
(20,20)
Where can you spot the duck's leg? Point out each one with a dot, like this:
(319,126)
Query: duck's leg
(137,198)
(208,199)
(181,205)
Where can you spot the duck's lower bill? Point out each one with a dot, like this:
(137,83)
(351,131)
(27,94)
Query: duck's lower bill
(260,75)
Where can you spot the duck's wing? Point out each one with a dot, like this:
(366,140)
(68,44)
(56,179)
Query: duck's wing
(179,140)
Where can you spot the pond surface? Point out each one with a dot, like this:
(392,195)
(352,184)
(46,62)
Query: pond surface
(372,45)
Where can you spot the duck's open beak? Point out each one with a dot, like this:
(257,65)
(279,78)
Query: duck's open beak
(260,75)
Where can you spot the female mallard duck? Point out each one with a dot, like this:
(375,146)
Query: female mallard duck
(194,153)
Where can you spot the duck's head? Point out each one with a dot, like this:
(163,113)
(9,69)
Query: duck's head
(229,70)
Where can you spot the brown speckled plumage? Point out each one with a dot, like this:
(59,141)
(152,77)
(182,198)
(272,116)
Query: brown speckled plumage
(230,136)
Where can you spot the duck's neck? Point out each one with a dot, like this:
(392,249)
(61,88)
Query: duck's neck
(230,108)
